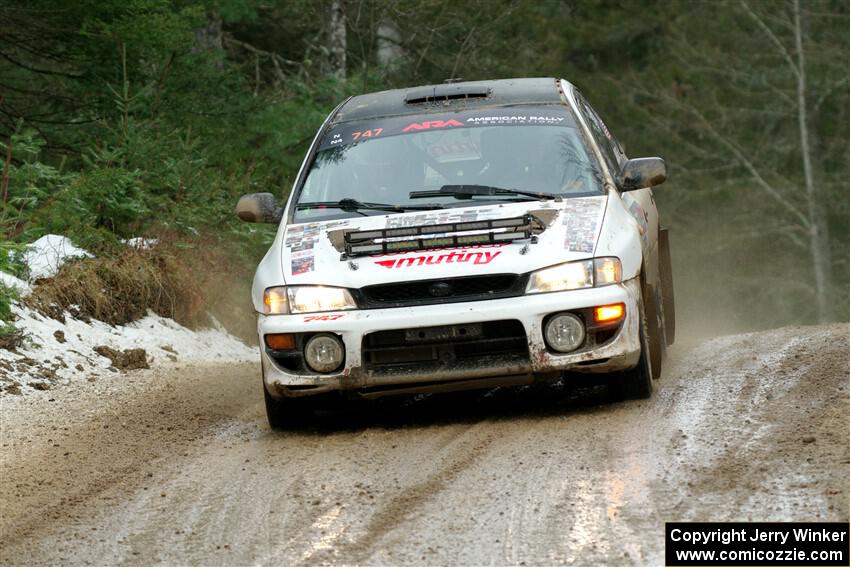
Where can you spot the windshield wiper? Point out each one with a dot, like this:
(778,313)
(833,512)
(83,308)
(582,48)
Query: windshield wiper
(469,191)
(354,206)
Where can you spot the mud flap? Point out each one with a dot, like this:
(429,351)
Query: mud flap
(668,305)
(655,327)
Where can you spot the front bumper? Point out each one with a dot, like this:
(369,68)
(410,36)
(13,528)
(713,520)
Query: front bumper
(619,353)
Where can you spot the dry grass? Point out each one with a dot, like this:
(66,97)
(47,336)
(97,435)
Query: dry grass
(10,337)
(183,281)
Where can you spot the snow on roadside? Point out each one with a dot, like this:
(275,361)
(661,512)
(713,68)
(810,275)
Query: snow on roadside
(12,282)
(59,353)
(46,255)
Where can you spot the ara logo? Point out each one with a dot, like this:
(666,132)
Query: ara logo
(428,124)
(474,257)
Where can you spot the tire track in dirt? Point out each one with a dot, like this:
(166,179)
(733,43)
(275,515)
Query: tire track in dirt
(58,462)
(467,448)
(812,378)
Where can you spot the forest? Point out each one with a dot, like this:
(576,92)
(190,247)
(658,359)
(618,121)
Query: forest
(149,118)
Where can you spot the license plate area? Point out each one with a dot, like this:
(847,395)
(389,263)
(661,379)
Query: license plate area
(444,333)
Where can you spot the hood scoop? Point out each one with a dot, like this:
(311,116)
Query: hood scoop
(436,236)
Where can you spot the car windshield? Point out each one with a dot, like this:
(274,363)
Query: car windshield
(529,150)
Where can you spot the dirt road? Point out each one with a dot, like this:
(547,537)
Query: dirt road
(178,466)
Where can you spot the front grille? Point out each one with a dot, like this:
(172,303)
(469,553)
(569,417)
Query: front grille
(445,347)
(424,292)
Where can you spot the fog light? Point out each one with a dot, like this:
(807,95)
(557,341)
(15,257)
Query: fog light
(564,332)
(324,353)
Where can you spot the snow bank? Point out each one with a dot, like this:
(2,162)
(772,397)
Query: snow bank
(12,282)
(46,255)
(59,353)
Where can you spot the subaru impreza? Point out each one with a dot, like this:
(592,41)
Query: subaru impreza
(459,236)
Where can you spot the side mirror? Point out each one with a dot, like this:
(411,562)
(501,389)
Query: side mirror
(259,207)
(640,173)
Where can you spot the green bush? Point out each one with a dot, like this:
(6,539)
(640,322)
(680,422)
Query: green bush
(10,337)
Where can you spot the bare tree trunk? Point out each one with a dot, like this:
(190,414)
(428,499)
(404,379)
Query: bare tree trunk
(818,229)
(389,44)
(337,38)
(208,36)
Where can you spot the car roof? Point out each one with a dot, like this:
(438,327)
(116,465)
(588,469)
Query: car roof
(466,95)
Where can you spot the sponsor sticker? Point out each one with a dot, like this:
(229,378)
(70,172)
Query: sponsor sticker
(300,241)
(640,215)
(311,318)
(581,219)
(429,124)
(443,217)
(447,256)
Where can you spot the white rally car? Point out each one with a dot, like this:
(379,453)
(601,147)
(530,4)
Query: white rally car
(460,236)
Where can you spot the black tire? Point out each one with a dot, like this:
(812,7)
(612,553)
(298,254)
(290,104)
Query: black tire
(665,266)
(636,383)
(288,413)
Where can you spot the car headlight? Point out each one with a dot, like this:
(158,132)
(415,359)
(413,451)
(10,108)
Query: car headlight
(576,275)
(306,299)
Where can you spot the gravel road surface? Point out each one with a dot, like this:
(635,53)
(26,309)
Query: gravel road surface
(178,466)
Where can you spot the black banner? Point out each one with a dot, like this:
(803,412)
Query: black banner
(348,133)
(763,544)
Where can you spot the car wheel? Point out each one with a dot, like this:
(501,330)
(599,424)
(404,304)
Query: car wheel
(288,413)
(668,304)
(635,383)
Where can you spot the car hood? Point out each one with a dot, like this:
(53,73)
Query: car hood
(312,253)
